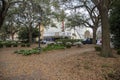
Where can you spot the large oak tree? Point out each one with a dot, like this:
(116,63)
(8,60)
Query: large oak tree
(103,7)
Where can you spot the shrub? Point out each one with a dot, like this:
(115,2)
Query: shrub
(34,51)
(27,52)
(15,45)
(64,41)
(68,45)
(28,44)
(53,47)
(22,45)
(118,51)
(98,48)
(1,45)
(8,44)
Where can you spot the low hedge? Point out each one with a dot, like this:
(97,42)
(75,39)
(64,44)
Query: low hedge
(27,52)
(97,48)
(15,45)
(23,45)
(1,45)
(28,45)
(118,51)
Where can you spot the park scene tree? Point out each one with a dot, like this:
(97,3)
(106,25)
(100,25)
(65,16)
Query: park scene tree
(59,39)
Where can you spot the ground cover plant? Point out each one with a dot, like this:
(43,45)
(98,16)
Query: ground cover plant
(36,50)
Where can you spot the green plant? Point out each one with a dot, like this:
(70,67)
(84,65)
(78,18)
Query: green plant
(98,48)
(34,51)
(27,52)
(23,45)
(15,45)
(68,45)
(28,44)
(7,44)
(1,45)
(53,47)
(118,51)
(24,34)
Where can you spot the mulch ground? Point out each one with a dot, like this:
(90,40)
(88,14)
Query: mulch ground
(70,64)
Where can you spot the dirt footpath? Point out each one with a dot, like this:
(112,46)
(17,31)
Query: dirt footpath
(52,65)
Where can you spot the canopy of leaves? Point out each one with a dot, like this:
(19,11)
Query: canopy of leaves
(115,23)
(24,33)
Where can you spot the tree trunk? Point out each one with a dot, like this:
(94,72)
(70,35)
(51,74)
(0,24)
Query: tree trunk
(3,11)
(30,32)
(30,36)
(1,21)
(12,35)
(106,50)
(94,34)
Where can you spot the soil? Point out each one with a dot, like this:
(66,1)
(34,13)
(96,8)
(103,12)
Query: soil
(69,64)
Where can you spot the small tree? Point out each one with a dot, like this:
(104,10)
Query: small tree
(24,33)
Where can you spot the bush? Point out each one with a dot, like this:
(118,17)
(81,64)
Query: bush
(22,45)
(118,51)
(27,52)
(8,44)
(28,44)
(1,45)
(98,48)
(64,41)
(68,45)
(15,45)
(53,47)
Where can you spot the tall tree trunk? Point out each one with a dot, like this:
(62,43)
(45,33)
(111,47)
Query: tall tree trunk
(12,35)
(3,12)
(1,21)
(30,36)
(106,50)
(30,32)
(94,34)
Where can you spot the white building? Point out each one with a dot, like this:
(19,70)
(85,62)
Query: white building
(76,33)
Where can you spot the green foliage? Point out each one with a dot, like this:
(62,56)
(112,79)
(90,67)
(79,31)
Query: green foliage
(23,45)
(8,43)
(27,52)
(36,50)
(1,45)
(64,41)
(118,51)
(68,45)
(15,44)
(24,33)
(53,47)
(28,44)
(98,48)
(115,23)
